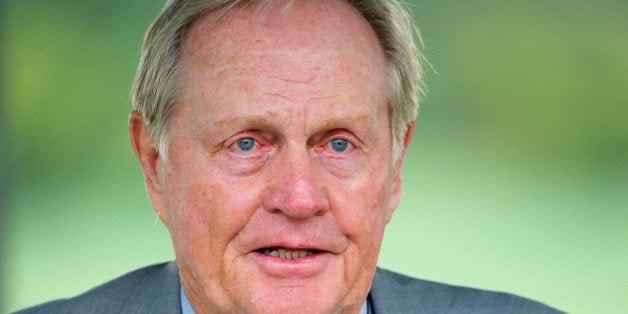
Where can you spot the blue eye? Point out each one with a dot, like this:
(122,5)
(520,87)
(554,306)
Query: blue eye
(246,144)
(339,145)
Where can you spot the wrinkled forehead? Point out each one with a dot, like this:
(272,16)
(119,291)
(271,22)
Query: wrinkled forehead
(285,33)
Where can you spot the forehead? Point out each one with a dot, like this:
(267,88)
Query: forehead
(263,32)
(312,52)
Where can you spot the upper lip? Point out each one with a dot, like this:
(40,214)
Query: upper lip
(298,243)
(290,246)
(321,237)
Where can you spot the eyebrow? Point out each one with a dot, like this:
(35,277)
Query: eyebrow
(345,121)
(266,119)
(271,120)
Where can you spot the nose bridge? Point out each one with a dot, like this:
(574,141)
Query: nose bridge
(296,189)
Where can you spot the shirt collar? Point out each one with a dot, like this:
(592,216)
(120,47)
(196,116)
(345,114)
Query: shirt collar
(186,307)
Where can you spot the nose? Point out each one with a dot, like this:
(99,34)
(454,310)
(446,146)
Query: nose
(296,189)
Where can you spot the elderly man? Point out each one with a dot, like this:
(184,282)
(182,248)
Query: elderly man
(271,135)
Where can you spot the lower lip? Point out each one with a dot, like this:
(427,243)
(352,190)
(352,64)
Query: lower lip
(286,268)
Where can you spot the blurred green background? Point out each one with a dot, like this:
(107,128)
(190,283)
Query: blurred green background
(517,178)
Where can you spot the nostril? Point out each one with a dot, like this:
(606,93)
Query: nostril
(296,203)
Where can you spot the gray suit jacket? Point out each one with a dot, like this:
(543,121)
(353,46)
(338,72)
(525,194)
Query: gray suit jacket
(156,289)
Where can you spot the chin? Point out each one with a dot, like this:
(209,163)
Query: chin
(299,301)
(325,293)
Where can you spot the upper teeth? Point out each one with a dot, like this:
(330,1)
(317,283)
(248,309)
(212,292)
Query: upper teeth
(287,253)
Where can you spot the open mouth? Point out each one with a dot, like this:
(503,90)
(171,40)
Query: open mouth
(287,253)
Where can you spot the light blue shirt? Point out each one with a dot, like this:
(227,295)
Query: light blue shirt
(186,307)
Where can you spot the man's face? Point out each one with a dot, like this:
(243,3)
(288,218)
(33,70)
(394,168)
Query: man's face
(280,177)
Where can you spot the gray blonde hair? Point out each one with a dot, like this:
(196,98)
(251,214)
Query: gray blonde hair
(157,85)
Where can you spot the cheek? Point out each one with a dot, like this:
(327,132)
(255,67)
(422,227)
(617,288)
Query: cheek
(206,209)
(360,208)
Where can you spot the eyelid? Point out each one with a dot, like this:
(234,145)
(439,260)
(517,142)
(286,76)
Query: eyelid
(354,142)
(261,141)
(232,141)
(343,134)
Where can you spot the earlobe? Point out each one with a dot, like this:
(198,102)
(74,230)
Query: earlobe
(395,187)
(148,157)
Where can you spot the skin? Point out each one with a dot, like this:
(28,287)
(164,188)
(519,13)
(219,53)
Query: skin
(292,81)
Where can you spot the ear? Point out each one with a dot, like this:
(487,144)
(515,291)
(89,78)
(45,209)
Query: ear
(149,159)
(395,186)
